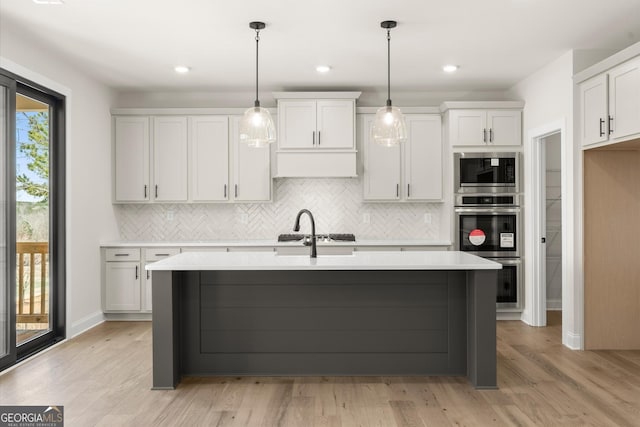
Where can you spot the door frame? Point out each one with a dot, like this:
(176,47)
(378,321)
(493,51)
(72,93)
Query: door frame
(10,255)
(535,312)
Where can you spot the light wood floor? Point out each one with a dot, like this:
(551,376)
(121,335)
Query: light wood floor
(103,377)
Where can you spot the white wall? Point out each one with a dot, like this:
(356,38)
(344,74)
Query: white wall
(549,98)
(90,215)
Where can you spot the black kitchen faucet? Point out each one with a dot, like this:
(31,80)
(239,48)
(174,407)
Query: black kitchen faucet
(296,227)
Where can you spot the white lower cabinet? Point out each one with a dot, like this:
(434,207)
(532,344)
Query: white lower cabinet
(127,285)
(123,286)
(121,280)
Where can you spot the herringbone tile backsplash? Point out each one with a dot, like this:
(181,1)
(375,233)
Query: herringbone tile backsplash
(336,204)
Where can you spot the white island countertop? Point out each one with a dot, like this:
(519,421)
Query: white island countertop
(413,260)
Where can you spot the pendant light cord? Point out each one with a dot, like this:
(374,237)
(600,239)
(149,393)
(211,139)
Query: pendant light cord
(388,67)
(257,102)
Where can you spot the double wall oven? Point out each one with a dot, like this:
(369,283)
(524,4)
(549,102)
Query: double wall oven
(488,217)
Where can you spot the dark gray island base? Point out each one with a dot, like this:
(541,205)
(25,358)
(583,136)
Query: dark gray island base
(324,322)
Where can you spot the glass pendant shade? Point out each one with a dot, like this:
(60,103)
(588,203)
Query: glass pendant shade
(389,127)
(257,128)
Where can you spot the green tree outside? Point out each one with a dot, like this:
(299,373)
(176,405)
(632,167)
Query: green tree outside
(36,148)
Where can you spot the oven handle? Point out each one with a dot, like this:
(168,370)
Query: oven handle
(496,210)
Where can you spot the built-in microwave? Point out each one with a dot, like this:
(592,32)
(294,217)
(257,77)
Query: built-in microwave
(486,172)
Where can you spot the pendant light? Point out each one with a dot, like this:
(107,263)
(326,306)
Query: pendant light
(389,128)
(256,127)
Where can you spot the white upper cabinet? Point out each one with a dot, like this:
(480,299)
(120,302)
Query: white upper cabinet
(131,159)
(624,99)
(191,159)
(593,113)
(251,169)
(423,157)
(480,127)
(316,124)
(170,179)
(610,105)
(381,164)
(335,124)
(209,158)
(411,171)
(316,134)
(504,127)
(296,124)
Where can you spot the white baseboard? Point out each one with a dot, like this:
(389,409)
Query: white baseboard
(508,315)
(554,304)
(127,317)
(573,341)
(85,324)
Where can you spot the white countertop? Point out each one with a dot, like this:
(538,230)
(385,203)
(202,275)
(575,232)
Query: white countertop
(270,242)
(413,260)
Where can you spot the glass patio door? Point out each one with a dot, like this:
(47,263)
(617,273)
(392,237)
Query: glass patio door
(32,218)
(33,285)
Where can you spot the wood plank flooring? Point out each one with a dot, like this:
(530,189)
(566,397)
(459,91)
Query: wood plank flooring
(103,378)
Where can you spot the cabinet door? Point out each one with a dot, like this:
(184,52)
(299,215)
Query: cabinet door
(170,159)
(593,110)
(505,127)
(423,157)
(296,124)
(468,127)
(122,283)
(131,159)
(209,152)
(624,99)
(335,123)
(251,169)
(381,165)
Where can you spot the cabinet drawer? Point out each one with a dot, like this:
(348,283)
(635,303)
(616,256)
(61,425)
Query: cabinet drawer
(156,254)
(122,254)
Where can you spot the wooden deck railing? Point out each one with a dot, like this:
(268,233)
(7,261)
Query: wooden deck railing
(33,263)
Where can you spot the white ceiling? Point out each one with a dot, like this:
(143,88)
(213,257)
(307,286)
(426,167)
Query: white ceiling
(134,44)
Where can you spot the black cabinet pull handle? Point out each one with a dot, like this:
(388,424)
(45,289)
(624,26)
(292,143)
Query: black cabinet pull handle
(318,137)
(145,191)
(601,123)
(225,191)
(137,272)
(313,137)
(484,135)
(397,190)
(122,254)
(610,127)
(236,191)
(408,190)
(148,272)
(491,135)
(156,191)
(162,254)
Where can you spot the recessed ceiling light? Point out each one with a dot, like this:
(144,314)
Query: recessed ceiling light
(450,68)
(182,69)
(48,1)
(323,68)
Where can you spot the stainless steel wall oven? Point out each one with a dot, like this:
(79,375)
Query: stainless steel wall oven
(488,218)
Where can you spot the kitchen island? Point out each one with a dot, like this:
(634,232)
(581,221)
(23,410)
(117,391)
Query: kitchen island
(369,313)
